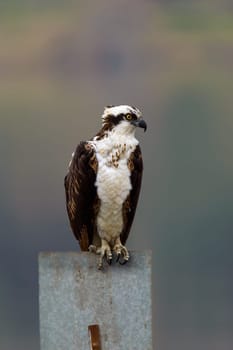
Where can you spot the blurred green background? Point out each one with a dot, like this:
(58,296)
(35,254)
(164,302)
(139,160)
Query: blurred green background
(61,62)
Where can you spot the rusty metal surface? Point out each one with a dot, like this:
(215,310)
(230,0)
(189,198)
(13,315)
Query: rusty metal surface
(74,294)
(95,339)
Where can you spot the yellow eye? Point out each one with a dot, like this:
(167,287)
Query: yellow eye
(128,117)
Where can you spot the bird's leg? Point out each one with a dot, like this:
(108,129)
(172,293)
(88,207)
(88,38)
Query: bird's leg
(95,244)
(121,250)
(103,251)
(92,248)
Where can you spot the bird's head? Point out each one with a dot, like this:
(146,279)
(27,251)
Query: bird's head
(123,119)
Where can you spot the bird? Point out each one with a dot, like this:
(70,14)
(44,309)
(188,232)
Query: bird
(103,183)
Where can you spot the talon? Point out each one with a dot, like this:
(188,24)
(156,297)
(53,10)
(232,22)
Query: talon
(109,261)
(121,251)
(109,257)
(118,257)
(123,262)
(100,266)
(105,253)
(100,263)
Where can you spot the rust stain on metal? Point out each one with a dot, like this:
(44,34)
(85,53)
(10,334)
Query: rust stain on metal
(94,332)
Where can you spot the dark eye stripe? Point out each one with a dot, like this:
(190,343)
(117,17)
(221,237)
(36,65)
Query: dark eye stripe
(134,117)
(114,120)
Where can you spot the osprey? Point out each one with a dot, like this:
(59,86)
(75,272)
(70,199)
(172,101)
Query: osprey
(103,184)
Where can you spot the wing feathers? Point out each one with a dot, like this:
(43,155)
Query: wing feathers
(81,194)
(129,207)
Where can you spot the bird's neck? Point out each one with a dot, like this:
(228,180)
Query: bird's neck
(123,130)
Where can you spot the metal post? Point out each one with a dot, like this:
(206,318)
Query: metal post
(95,341)
(75,296)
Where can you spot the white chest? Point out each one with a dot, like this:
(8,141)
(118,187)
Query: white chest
(113,183)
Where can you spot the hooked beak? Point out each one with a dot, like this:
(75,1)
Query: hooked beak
(140,123)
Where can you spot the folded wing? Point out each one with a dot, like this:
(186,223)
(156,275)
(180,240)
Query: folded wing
(81,196)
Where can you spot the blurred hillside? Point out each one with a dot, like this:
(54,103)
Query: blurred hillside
(60,64)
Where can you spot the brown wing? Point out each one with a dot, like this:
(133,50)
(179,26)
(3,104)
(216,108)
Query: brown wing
(129,207)
(81,197)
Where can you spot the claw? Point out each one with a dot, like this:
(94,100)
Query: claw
(105,252)
(100,264)
(118,257)
(121,251)
(109,261)
(123,262)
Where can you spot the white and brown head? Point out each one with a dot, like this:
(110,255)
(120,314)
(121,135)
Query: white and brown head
(123,119)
